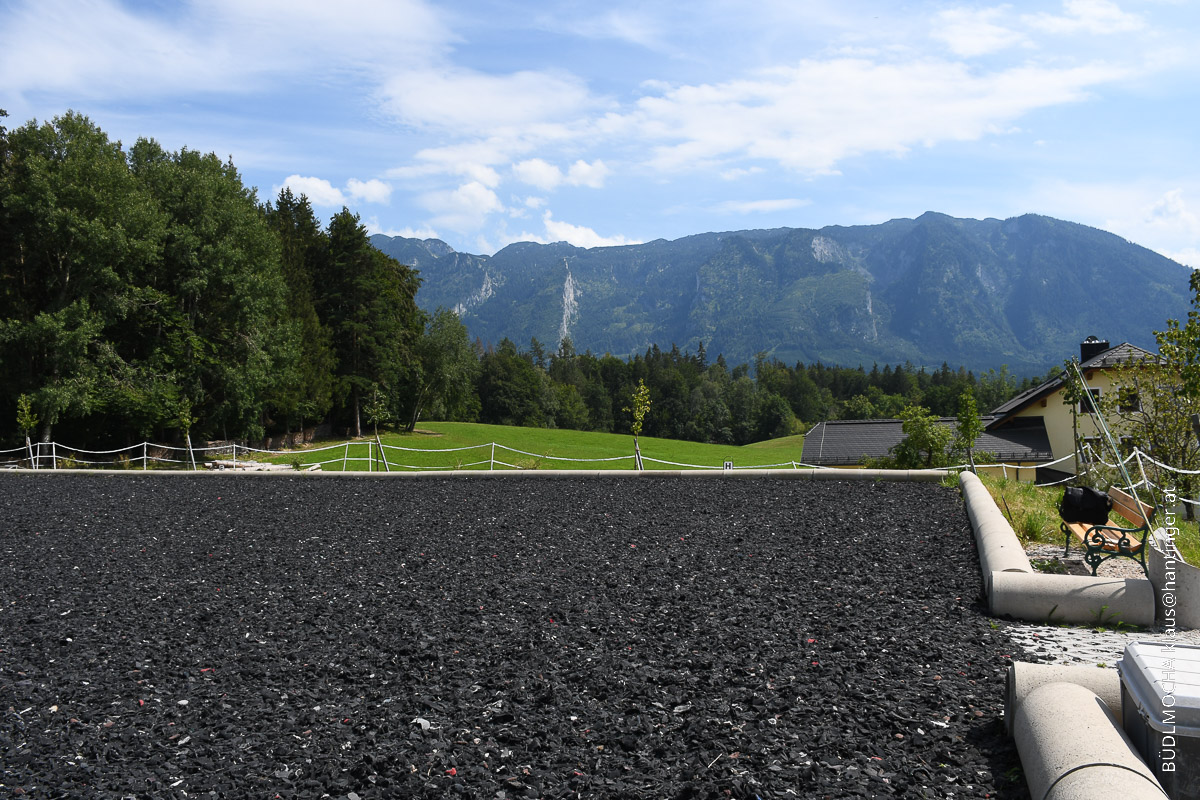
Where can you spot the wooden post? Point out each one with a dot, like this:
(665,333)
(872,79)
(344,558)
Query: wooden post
(54,455)
(235,457)
(143,456)
(492,463)
(191,453)
(345,456)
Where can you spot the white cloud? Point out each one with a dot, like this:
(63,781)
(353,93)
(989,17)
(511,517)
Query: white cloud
(580,236)
(1142,212)
(372,191)
(99,49)
(734,173)
(538,172)
(463,209)
(462,101)
(1189,257)
(761,206)
(812,116)
(102,49)
(1087,16)
(319,191)
(976,31)
(1173,223)
(547,177)
(591,175)
(474,160)
(556,231)
(324,194)
(635,27)
(374,226)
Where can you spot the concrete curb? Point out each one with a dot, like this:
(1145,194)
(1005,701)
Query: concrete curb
(1071,747)
(1080,599)
(1176,583)
(1023,678)
(1014,589)
(928,475)
(999,548)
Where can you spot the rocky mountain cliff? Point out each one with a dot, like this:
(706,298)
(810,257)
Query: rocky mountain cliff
(981,293)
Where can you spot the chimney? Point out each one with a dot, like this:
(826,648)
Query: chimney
(1091,347)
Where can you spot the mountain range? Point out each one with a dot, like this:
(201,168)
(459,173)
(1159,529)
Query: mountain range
(981,293)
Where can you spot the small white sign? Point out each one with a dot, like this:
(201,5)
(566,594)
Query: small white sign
(728,465)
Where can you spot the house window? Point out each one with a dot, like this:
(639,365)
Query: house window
(1090,403)
(1127,445)
(1130,402)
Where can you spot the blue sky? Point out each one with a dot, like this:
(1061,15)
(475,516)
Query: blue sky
(484,123)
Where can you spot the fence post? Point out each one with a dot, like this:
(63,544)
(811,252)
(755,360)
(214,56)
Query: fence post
(345,456)
(370,456)
(54,455)
(235,457)
(492,462)
(1150,487)
(383,454)
(143,456)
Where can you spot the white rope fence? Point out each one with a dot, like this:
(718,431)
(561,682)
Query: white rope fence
(381,457)
(347,456)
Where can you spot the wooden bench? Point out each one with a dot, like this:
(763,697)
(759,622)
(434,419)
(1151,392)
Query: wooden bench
(1125,536)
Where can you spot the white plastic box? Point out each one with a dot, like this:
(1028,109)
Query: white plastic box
(1160,702)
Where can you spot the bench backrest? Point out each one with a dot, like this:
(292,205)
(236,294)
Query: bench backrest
(1130,507)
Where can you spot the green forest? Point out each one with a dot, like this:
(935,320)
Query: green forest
(149,294)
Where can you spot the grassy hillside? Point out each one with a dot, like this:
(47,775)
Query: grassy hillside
(438,445)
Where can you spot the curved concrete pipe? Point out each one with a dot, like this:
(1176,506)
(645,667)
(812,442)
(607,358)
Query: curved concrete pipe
(1023,677)
(999,548)
(1082,599)
(1072,749)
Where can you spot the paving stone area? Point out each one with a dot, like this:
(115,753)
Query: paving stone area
(1100,645)
(1079,645)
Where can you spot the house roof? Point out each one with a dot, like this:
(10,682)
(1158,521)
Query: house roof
(1123,353)
(845,442)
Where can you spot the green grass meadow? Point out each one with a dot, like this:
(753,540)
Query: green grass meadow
(535,448)
(1033,513)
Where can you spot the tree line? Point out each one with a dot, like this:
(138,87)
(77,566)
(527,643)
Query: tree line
(147,294)
(704,401)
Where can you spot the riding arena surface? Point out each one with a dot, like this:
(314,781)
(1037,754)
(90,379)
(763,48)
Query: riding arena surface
(167,636)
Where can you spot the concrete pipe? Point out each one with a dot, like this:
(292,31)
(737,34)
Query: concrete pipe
(1079,599)
(1071,747)
(1023,677)
(999,548)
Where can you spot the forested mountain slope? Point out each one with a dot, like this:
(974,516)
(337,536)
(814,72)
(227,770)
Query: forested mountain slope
(1022,291)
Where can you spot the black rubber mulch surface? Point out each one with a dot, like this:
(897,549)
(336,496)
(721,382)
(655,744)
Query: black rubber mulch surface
(303,637)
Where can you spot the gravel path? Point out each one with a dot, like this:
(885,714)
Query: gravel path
(243,636)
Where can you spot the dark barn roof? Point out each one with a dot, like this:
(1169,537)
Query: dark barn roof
(844,443)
